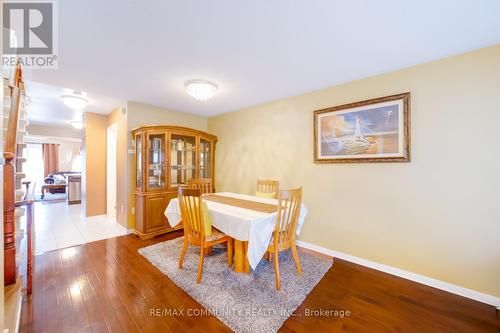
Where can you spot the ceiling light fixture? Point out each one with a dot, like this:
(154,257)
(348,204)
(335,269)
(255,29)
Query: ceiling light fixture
(76,101)
(201,89)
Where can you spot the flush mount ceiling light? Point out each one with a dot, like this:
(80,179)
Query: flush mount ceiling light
(76,100)
(201,89)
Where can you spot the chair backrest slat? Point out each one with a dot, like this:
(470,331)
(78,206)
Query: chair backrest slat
(204,184)
(191,212)
(289,202)
(268,186)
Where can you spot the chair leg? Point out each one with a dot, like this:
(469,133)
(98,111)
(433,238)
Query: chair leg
(230,253)
(277,270)
(209,251)
(200,265)
(296,257)
(184,250)
(267,256)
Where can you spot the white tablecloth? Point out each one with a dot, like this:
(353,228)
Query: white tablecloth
(240,223)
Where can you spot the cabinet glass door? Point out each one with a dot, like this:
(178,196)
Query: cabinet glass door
(138,157)
(182,159)
(156,162)
(205,158)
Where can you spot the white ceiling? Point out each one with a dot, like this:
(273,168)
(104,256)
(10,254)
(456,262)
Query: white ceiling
(255,51)
(46,106)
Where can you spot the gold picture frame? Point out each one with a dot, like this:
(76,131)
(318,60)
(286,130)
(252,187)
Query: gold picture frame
(370,131)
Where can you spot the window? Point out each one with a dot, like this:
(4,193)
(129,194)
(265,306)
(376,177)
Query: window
(33,167)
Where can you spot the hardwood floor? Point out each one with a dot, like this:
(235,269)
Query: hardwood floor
(107,286)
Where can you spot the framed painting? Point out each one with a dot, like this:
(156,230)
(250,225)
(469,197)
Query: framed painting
(376,130)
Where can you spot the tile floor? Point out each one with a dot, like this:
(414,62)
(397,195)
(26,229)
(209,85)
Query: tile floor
(59,225)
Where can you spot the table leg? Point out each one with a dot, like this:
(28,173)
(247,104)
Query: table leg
(241,264)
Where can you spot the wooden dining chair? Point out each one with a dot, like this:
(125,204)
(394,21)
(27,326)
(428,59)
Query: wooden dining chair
(190,202)
(289,202)
(204,184)
(268,187)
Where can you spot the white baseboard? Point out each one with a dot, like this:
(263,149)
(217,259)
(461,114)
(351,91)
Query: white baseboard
(19,307)
(449,287)
(96,217)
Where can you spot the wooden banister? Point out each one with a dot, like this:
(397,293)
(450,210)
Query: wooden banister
(10,273)
(11,139)
(10,270)
(28,201)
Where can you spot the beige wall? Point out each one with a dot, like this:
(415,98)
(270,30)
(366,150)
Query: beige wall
(120,119)
(68,139)
(139,114)
(54,131)
(69,152)
(94,175)
(437,216)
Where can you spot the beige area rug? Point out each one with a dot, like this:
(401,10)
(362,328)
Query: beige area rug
(244,302)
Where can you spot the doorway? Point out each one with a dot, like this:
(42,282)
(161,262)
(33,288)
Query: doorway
(111,142)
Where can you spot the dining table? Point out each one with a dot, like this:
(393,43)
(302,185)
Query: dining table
(248,219)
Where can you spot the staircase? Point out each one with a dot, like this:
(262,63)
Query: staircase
(17,201)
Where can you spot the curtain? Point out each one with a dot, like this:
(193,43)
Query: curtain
(50,153)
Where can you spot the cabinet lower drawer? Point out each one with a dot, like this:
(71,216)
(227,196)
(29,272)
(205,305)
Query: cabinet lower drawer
(150,217)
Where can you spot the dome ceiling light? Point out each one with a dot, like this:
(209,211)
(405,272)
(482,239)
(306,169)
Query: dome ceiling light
(75,101)
(202,90)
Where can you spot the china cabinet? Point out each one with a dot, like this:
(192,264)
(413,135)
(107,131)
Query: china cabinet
(166,158)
